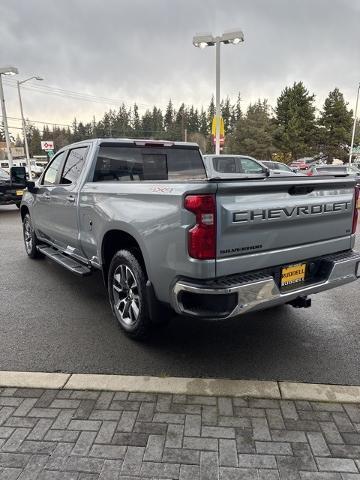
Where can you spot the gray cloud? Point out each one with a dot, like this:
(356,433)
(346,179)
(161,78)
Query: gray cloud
(142,51)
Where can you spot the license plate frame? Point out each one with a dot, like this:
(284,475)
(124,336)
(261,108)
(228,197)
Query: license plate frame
(292,275)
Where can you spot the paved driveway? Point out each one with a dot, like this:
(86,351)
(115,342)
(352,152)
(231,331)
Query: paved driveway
(51,320)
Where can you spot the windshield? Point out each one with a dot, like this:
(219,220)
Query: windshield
(3,174)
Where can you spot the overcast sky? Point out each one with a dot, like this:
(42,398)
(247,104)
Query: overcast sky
(141,50)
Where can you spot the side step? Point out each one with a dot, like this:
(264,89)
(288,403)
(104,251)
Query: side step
(65,261)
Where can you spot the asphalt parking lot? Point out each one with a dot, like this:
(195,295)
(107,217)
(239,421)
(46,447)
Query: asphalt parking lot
(53,321)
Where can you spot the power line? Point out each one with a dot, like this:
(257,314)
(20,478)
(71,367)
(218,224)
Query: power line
(50,90)
(40,121)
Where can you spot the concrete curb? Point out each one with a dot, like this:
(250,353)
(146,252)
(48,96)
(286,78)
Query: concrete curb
(33,379)
(187,386)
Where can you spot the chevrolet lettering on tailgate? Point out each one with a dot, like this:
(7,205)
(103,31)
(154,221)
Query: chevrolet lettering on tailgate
(293,212)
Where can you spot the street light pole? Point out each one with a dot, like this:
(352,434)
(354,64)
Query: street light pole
(217,95)
(208,40)
(354,126)
(6,71)
(24,123)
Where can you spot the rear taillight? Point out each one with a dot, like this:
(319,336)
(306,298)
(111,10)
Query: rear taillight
(356,212)
(202,236)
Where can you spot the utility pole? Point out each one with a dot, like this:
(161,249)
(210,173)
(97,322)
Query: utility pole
(24,123)
(3,112)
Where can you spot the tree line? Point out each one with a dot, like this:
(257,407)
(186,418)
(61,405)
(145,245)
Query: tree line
(294,128)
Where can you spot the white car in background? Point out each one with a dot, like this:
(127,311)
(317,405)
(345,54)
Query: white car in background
(36,170)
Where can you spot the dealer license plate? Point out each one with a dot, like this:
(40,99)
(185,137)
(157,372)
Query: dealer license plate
(19,192)
(293,274)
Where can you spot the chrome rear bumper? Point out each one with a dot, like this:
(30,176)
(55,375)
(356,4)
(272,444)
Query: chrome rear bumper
(256,291)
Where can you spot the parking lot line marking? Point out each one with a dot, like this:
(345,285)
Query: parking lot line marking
(175,385)
(33,379)
(320,392)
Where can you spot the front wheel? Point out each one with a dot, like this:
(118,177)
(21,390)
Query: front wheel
(127,294)
(30,239)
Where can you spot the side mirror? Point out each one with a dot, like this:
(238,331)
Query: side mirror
(31,186)
(18,176)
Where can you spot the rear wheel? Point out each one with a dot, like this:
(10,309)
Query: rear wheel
(30,239)
(127,294)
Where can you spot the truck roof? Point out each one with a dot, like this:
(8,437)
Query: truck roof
(137,141)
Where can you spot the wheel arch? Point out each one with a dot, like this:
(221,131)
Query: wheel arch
(23,211)
(115,240)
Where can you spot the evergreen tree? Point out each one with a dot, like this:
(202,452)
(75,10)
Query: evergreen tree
(227,114)
(203,123)
(34,140)
(295,121)
(237,113)
(169,120)
(336,120)
(136,124)
(253,133)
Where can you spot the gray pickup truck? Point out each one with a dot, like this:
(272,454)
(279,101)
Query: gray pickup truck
(165,233)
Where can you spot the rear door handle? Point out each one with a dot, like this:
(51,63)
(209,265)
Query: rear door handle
(70,198)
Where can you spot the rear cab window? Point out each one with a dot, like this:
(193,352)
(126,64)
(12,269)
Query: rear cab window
(127,163)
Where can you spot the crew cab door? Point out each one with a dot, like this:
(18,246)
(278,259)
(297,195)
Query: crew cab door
(42,213)
(64,202)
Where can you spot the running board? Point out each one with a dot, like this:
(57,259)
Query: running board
(69,263)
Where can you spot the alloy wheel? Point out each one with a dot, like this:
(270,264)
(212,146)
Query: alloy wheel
(126,295)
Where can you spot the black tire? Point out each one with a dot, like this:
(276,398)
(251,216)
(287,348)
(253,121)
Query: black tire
(30,239)
(127,295)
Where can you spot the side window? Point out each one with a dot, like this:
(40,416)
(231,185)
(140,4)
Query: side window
(51,174)
(250,166)
(225,164)
(73,165)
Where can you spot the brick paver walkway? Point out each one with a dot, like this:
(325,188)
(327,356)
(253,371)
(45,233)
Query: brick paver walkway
(80,435)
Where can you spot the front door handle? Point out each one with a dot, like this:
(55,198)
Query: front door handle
(70,198)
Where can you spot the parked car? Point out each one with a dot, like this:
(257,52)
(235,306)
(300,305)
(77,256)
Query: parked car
(336,170)
(231,166)
(36,170)
(167,234)
(279,168)
(303,163)
(11,192)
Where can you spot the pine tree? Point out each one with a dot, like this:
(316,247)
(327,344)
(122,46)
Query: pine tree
(136,124)
(336,120)
(295,121)
(169,120)
(253,133)
(237,109)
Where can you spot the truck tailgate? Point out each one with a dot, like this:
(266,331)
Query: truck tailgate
(276,222)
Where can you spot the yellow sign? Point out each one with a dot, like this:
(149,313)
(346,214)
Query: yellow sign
(293,274)
(213,127)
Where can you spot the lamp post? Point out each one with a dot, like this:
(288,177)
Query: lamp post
(6,71)
(208,40)
(23,121)
(354,126)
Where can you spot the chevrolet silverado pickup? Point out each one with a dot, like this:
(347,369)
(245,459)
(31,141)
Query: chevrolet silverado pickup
(165,233)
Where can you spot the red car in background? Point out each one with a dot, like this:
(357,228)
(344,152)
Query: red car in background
(303,163)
